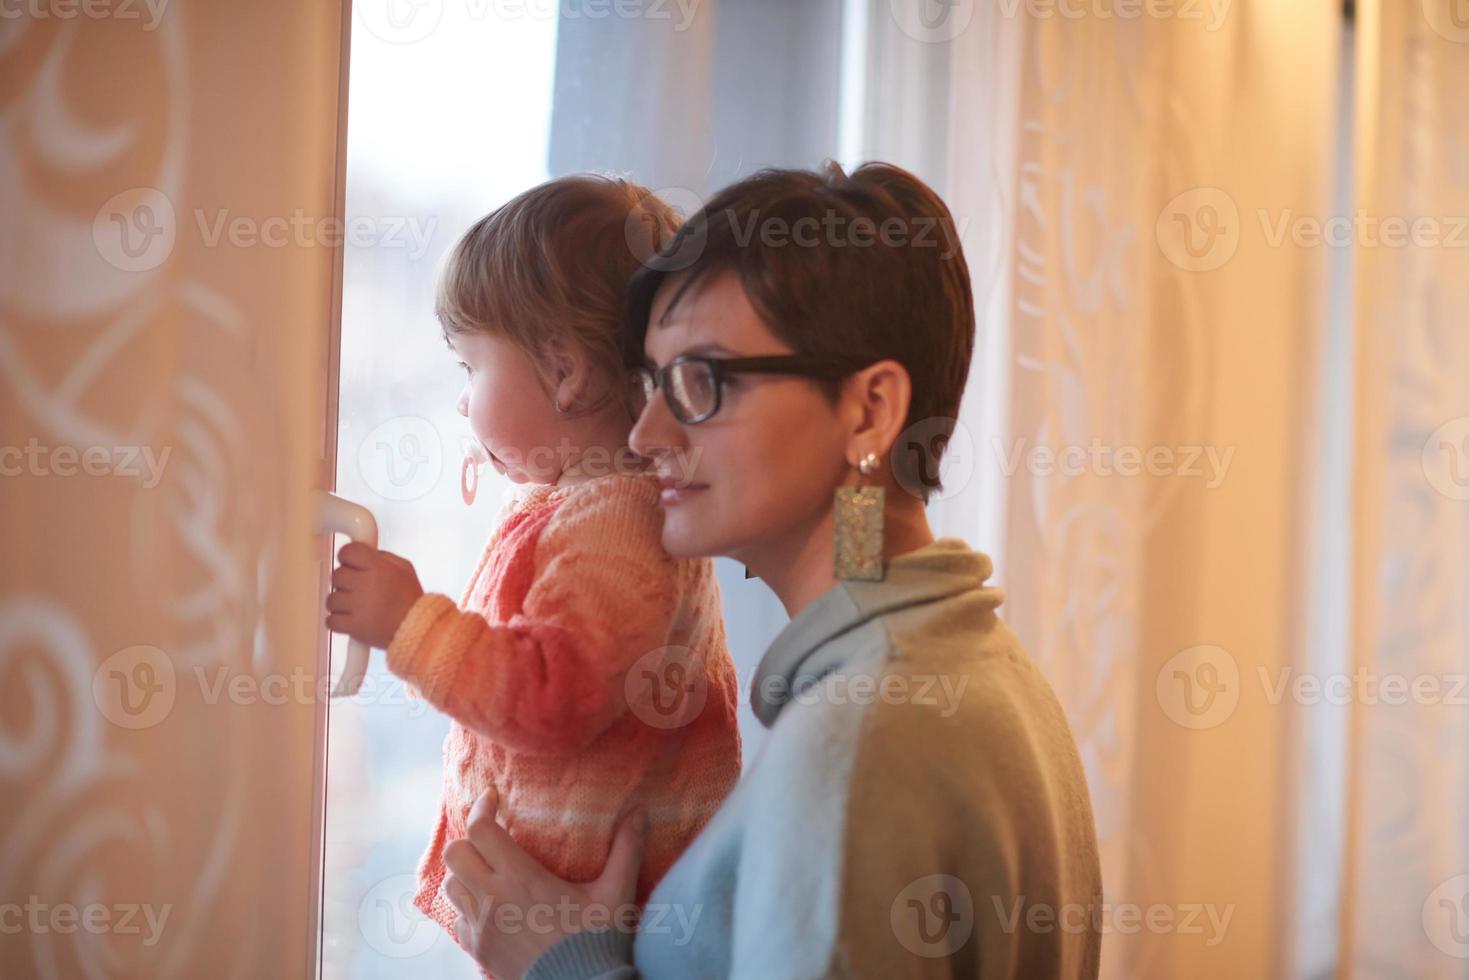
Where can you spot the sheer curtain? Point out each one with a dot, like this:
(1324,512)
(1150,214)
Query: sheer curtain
(1216,439)
(1407,879)
(1178,228)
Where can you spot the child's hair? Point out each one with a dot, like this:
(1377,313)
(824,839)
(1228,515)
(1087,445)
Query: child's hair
(556,261)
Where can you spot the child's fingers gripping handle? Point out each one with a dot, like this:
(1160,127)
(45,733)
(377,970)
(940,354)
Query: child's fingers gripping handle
(339,516)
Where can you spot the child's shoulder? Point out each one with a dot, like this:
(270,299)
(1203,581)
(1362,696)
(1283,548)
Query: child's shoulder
(613,499)
(609,486)
(605,517)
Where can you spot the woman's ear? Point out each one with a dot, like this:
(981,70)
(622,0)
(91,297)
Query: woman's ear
(877,397)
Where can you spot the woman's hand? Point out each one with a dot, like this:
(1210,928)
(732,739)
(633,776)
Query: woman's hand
(511,909)
(372,591)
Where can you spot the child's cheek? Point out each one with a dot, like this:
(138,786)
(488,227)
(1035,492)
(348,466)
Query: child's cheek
(481,411)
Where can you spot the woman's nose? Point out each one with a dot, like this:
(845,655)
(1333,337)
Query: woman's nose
(656,431)
(463,404)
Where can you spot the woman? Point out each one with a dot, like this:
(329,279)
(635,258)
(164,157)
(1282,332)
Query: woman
(918,806)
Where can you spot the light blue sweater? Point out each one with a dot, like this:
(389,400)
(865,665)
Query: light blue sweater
(918,809)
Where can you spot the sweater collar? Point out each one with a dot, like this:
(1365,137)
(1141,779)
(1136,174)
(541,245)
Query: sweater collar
(945,568)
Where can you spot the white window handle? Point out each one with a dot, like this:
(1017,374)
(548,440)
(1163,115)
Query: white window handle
(341,516)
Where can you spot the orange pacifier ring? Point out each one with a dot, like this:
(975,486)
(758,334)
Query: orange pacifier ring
(469,478)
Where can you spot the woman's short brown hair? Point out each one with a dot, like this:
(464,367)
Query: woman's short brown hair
(556,260)
(867,264)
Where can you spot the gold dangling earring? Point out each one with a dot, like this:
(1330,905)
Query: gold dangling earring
(858,537)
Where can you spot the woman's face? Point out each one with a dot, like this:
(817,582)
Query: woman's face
(760,472)
(508,410)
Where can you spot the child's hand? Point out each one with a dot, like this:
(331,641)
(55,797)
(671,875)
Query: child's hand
(372,591)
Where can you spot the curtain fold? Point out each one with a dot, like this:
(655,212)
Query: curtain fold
(1137,205)
(1197,254)
(1406,909)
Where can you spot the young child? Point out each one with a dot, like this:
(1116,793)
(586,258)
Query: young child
(585,670)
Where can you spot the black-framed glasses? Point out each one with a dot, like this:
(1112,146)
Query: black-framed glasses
(693,385)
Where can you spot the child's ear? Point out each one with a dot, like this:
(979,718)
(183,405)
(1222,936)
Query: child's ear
(570,372)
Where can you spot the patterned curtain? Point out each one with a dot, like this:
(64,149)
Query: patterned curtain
(1217,436)
(1153,458)
(167,174)
(1406,902)
(1223,464)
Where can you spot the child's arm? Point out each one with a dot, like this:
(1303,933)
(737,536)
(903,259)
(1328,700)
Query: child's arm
(551,678)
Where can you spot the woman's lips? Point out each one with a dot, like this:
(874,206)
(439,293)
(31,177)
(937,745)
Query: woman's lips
(675,493)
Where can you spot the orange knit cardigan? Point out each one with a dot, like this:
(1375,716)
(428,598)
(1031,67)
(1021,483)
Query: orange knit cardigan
(587,672)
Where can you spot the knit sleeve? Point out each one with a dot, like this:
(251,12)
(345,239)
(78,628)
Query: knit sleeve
(551,678)
(603,954)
